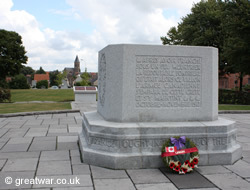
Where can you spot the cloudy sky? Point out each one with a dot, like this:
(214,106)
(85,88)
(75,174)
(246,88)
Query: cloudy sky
(55,31)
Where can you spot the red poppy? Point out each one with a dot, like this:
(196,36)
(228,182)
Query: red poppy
(195,161)
(179,164)
(171,165)
(186,162)
(192,165)
(184,170)
(177,168)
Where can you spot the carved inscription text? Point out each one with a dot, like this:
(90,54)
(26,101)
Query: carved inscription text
(168,82)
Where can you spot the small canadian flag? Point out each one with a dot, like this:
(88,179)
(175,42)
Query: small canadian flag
(171,149)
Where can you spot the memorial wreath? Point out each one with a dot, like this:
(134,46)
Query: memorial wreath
(180,154)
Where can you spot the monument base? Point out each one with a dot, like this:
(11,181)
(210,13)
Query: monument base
(138,145)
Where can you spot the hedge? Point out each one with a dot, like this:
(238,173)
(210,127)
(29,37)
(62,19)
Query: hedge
(234,97)
(5,95)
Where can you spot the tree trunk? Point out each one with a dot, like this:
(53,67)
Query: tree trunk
(241,81)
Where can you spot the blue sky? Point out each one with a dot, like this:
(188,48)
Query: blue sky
(55,31)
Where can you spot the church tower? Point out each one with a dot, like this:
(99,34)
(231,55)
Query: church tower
(77,65)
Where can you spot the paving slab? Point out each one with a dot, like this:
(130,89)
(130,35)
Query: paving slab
(76,160)
(37,132)
(51,121)
(74,188)
(54,168)
(67,121)
(104,173)
(19,165)
(240,168)
(228,181)
(189,180)
(57,126)
(15,155)
(54,155)
(43,145)
(45,116)
(147,176)
(113,184)
(81,169)
(212,170)
(34,122)
(20,140)
(67,143)
(15,133)
(2,162)
(61,115)
(23,147)
(14,180)
(74,153)
(44,126)
(71,181)
(13,126)
(157,186)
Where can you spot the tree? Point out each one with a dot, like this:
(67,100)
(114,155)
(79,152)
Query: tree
(27,71)
(19,82)
(236,47)
(53,78)
(60,76)
(221,24)
(12,53)
(42,84)
(85,79)
(40,71)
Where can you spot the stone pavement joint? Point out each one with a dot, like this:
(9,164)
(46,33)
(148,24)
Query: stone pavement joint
(46,146)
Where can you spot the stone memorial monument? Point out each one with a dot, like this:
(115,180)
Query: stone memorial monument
(149,93)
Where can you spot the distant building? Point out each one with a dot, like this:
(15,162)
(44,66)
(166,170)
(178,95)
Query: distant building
(231,81)
(73,72)
(39,77)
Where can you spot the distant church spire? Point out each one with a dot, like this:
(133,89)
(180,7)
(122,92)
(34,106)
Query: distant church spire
(77,65)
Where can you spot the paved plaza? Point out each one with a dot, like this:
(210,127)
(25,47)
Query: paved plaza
(42,152)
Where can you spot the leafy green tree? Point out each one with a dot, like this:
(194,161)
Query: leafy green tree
(40,71)
(221,24)
(42,84)
(19,82)
(12,53)
(53,78)
(60,76)
(236,47)
(85,79)
(27,71)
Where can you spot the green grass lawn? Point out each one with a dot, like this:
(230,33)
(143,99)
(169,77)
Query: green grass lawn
(30,107)
(59,95)
(234,107)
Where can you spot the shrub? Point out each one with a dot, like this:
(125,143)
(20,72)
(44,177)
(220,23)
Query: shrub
(5,95)
(234,97)
(42,84)
(78,84)
(19,82)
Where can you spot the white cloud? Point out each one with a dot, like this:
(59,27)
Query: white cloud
(114,21)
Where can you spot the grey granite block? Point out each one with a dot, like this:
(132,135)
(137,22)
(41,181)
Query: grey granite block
(113,184)
(240,168)
(155,186)
(72,181)
(67,146)
(54,155)
(54,168)
(51,121)
(147,176)
(61,115)
(34,122)
(22,164)
(228,181)
(16,182)
(74,153)
(81,169)
(104,173)
(15,133)
(189,180)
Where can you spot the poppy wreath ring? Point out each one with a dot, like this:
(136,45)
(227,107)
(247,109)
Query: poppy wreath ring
(181,163)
